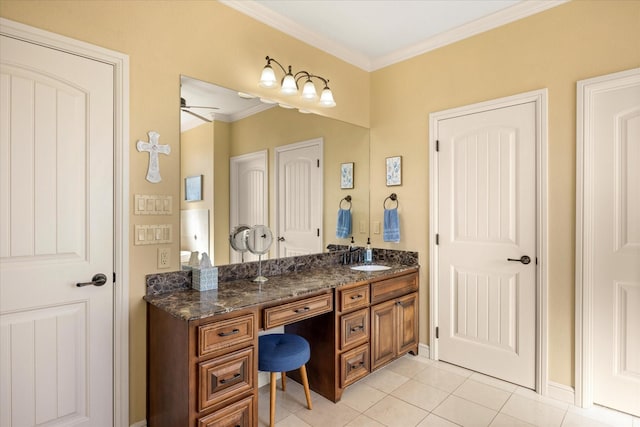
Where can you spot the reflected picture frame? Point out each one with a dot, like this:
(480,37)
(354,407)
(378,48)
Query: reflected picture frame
(346,175)
(394,171)
(193,188)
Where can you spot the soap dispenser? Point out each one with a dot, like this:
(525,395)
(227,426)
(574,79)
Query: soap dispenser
(368,252)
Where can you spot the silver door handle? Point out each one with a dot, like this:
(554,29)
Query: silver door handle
(97,280)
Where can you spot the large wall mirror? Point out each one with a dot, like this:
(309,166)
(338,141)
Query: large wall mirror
(256,162)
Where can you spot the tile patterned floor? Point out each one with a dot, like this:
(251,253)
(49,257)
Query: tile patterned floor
(416,391)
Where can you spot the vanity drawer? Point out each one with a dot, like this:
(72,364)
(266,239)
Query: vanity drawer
(239,414)
(354,328)
(298,310)
(354,297)
(393,287)
(225,377)
(354,364)
(224,334)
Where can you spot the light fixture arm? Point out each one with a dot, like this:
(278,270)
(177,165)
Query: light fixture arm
(302,74)
(269,60)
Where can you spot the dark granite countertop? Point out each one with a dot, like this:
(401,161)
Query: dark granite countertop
(189,304)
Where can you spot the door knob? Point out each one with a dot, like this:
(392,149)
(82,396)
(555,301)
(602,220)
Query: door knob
(97,280)
(280,239)
(523,259)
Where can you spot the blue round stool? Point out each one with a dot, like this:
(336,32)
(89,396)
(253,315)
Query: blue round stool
(283,353)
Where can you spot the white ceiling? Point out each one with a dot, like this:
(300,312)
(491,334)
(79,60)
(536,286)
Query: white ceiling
(372,34)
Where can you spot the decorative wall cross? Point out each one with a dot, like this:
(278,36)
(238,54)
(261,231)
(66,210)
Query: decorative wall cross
(153,173)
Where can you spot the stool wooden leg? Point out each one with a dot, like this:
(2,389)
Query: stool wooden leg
(305,383)
(272,403)
(283,376)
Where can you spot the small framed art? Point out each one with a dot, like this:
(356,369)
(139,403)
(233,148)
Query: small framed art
(193,188)
(394,171)
(346,175)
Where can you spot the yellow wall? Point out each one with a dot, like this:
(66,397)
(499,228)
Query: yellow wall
(553,50)
(164,39)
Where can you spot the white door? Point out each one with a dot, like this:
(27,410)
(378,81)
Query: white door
(56,223)
(613,126)
(299,198)
(249,195)
(487,215)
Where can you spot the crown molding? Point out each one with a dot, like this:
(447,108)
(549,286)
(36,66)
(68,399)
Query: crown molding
(288,26)
(267,16)
(489,22)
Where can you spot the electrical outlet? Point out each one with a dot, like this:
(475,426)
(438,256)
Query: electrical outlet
(164,257)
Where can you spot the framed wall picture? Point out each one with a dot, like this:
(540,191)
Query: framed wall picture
(193,188)
(346,175)
(394,171)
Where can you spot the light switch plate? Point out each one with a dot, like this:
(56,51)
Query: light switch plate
(376,227)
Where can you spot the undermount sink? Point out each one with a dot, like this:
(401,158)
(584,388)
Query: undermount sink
(370,267)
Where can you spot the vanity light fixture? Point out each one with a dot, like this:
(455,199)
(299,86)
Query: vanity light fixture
(289,84)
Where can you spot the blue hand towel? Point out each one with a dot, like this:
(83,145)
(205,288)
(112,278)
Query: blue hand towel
(391,225)
(343,228)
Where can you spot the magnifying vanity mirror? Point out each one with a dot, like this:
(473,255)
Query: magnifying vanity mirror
(236,143)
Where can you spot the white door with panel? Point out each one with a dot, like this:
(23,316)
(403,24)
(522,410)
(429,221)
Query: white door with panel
(57,228)
(487,242)
(299,198)
(249,195)
(612,126)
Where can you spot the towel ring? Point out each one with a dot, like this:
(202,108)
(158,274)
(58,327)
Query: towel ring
(392,197)
(345,199)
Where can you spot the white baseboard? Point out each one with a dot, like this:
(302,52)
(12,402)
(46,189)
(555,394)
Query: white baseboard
(561,392)
(142,423)
(423,350)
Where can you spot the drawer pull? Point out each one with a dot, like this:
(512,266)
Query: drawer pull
(354,297)
(356,365)
(227,380)
(227,334)
(302,310)
(357,328)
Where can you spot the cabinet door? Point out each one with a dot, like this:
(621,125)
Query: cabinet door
(383,333)
(407,309)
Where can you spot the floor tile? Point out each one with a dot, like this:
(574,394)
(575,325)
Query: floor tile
(394,412)
(504,420)
(464,412)
(603,415)
(385,380)
(573,419)
(408,366)
(290,421)
(439,378)
(419,394)
(361,396)
(364,421)
(453,368)
(531,394)
(482,394)
(533,411)
(493,382)
(433,420)
(327,414)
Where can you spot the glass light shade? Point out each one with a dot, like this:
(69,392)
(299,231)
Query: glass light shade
(289,86)
(268,77)
(326,98)
(309,91)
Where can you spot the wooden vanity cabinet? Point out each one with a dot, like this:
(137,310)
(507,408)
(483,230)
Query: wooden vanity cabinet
(203,372)
(394,318)
(373,323)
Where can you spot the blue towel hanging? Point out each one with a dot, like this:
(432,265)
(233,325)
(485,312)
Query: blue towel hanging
(391,225)
(343,228)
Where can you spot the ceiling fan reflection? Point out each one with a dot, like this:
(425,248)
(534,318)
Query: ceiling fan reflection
(187,109)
